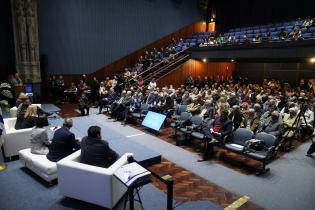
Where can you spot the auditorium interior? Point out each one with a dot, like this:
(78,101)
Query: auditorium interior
(157,105)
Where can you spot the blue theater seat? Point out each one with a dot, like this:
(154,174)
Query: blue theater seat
(311,30)
(263,30)
(308,35)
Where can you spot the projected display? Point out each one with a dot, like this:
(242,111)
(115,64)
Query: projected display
(153,120)
(28,88)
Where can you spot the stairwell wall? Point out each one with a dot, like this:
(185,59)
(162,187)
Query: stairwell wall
(196,68)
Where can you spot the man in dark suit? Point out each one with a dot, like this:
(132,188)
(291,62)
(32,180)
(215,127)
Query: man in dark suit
(63,143)
(121,105)
(95,151)
(216,132)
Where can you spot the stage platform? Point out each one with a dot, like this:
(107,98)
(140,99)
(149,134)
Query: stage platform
(119,140)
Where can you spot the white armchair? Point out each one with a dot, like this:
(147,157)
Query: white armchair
(13,110)
(90,183)
(15,140)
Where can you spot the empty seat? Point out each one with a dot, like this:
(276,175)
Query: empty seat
(272,29)
(238,140)
(266,152)
(263,30)
(255,27)
(274,33)
(39,164)
(311,30)
(257,31)
(250,35)
(288,28)
(307,35)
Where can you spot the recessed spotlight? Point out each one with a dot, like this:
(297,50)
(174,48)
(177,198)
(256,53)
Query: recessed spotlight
(312,60)
(232,60)
(204,60)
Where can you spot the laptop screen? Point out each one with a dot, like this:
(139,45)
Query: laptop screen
(28,88)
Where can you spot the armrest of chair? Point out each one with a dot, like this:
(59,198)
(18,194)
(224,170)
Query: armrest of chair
(90,183)
(9,123)
(120,162)
(73,161)
(270,152)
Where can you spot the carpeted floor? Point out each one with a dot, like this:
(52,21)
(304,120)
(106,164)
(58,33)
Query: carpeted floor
(22,190)
(289,185)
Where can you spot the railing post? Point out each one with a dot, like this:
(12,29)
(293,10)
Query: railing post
(169,184)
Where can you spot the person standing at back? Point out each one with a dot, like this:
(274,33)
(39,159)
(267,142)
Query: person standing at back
(63,143)
(95,151)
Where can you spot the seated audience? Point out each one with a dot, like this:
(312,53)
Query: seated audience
(216,132)
(21,99)
(308,22)
(282,35)
(251,121)
(39,137)
(95,151)
(194,107)
(245,40)
(84,105)
(236,117)
(295,34)
(30,117)
(272,125)
(290,128)
(63,142)
(256,39)
(265,37)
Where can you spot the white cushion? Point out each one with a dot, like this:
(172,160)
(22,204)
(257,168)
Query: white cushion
(39,161)
(15,140)
(102,187)
(39,164)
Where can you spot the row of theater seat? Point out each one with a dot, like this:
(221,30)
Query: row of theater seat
(272,25)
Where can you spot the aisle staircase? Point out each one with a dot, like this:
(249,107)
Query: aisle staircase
(162,70)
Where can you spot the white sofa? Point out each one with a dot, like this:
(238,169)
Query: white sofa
(39,164)
(13,110)
(15,140)
(90,183)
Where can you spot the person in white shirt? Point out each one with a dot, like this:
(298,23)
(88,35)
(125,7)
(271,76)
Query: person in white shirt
(152,85)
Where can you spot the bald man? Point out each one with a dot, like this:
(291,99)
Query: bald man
(63,143)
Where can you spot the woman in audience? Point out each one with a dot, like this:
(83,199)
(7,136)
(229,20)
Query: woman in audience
(39,137)
(20,113)
(30,117)
(22,98)
(26,116)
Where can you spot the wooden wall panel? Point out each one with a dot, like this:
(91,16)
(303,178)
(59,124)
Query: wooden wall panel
(196,68)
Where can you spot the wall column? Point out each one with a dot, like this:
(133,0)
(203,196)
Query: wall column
(25,28)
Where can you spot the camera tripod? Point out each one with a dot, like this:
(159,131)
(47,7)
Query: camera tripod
(295,128)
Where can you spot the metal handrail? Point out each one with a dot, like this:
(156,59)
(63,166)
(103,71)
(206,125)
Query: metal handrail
(156,65)
(167,66)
